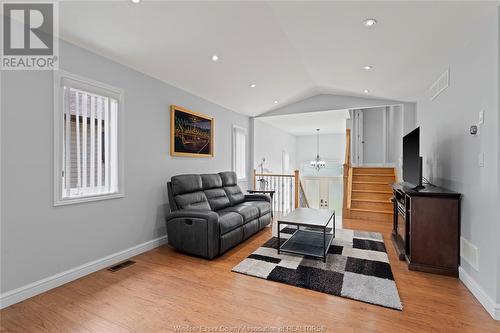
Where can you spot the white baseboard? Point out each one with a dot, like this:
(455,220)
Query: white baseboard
(478,292)
(20,294)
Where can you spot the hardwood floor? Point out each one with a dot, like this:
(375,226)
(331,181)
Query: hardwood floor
(166,289)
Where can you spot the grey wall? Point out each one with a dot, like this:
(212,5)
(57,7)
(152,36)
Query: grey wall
(451,154)
(373,136)
(395,137)
(39,240)
(270,142)
(332,148)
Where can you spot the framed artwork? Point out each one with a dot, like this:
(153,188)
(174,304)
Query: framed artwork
(191,133)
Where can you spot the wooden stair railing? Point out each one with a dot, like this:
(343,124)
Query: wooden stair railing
(286,187)
(346,205)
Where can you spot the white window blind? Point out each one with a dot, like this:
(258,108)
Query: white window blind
(239,152)
(88,140)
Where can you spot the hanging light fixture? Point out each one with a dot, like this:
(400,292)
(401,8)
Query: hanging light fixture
(318,163)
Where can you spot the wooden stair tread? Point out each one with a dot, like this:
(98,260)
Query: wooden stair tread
(372,200)
(373,174)
(372,191)
(367,182)
(371,211)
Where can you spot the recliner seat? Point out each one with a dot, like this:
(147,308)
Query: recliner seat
(210,214)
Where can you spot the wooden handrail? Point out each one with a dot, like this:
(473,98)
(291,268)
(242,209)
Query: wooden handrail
(273,175)
(347,159)
(349,188)
(297,180)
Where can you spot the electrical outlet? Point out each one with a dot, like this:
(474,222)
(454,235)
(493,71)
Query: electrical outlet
(481,159)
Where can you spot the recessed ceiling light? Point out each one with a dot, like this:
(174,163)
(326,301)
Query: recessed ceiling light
(369,22)
(367,67)
(275,102)
(215,57)
(253,85)
(135,1)
(366,91)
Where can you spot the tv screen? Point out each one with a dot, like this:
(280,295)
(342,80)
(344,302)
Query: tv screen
(412,173)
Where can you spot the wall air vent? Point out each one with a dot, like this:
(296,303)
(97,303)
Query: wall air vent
(121,265)
(440,85)
(469,253)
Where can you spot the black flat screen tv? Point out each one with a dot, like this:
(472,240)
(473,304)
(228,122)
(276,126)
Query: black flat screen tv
(412,162)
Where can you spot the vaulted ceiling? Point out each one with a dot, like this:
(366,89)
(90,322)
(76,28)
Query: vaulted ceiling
(289,50)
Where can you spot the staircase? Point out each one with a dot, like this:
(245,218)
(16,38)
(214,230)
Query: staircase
(371,193)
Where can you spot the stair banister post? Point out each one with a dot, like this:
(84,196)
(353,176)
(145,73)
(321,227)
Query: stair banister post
(297,179)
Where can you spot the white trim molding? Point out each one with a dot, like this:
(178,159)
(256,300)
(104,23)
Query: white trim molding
(20,294)
(478,292)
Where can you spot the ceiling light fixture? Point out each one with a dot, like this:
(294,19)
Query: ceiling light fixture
(253,85)
(317,163)
(367,67)
(136,1)
(275,102)
(366,91)
(215,57)
(369,22)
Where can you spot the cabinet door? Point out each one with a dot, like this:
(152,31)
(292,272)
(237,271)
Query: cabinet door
(434,231)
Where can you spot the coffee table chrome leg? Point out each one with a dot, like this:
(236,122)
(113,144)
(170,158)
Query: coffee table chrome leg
(279,239)
(333,224)
(324,244)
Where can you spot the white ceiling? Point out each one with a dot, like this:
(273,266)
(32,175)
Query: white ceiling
(306,123)
(291,50)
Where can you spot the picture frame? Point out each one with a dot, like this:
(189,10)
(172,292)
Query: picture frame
(191,133)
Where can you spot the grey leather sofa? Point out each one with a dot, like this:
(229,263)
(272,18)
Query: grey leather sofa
(209,213)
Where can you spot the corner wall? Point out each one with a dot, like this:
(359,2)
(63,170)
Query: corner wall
(39,240)
(270,142)
(451,154)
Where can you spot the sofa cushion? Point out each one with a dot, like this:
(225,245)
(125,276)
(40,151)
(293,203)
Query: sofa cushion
(229,221)
(263,206)
(234,194)
(228,178)
(186,184)
(211,181)
(217,198)
(194,201)
(247,212)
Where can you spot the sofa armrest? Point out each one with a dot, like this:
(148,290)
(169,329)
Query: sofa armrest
(194,232)
(257,197)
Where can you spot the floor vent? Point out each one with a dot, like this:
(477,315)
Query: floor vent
(121,265)
(440,85)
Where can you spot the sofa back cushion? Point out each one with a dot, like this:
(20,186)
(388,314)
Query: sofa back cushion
(188,193)
(233,191)
(212,187)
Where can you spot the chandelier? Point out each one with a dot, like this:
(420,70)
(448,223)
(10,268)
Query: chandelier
(317,163)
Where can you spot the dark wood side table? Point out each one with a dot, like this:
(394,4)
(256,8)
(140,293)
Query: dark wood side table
(268,192)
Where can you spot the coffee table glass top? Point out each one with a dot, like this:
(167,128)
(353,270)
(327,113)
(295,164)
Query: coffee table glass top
(308,217)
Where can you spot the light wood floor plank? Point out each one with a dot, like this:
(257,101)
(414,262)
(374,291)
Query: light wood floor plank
(165,289)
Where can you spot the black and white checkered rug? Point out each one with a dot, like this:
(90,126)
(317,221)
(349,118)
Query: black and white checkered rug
(357,267)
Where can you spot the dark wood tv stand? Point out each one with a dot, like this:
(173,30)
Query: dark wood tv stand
(426,230)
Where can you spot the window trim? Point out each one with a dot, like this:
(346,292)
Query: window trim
(245,131)
(93,86)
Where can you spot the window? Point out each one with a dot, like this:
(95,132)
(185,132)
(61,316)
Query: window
(239,152)
(87,140)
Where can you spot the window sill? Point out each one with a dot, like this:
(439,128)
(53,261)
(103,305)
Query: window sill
(72,201)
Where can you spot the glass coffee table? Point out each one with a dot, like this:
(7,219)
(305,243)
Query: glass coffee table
(312,241)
